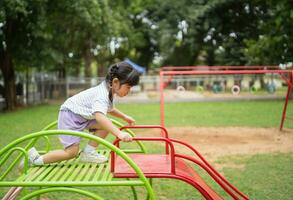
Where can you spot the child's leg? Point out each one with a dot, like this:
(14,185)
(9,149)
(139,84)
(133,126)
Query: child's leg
(100,133)
(59,155)
(89,153)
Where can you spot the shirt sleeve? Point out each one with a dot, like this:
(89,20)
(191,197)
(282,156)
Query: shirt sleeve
(100,105)
(111,107)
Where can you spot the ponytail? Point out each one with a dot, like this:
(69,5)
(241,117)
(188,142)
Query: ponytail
(125,73)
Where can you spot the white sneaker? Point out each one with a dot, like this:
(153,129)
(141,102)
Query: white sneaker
(92,157)
(32,155)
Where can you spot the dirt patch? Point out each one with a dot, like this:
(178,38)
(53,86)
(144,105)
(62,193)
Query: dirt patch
(217,142)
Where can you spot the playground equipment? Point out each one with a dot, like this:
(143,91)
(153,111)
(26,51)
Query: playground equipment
(172,164)
(64,175)
(133,164)
(235,90)
(172,71)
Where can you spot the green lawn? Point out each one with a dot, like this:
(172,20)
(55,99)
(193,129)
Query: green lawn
(264,176)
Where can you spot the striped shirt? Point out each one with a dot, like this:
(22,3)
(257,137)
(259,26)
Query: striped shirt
(90,101)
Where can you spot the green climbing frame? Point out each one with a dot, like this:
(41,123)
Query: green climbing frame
(67,175)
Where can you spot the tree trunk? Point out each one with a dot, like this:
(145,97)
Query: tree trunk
(102,70)
(7,69)
(87,56)
(61,71)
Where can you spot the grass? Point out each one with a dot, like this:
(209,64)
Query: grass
(203,114)
(264,176)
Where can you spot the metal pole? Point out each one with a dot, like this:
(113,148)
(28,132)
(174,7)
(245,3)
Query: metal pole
(162,115)
(289,90)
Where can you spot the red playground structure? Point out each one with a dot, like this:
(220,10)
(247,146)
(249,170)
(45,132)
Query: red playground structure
(175,165)
(172,164)
(286,74)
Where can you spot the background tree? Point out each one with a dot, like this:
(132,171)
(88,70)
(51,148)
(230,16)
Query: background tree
(22,36)
(68,36)
(274,43)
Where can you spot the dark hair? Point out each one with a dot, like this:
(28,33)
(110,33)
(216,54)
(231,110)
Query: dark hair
(124,72)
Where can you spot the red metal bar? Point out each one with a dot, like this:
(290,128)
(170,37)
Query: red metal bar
(226,72)
(289,90)
(166,140)
(194,70)
(165,68)
(210,172)
(286,79)
(168,81)
(165,135)
(173,176)
(209,166)
(164,132)
(162,115)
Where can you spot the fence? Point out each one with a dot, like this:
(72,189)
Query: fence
(41,88)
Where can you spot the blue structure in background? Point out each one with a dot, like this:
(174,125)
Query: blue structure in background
(139,68)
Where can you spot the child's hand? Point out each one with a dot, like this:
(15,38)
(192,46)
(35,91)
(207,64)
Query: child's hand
(129,120)
(125,137)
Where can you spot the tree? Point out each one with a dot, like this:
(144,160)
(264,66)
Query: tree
(21,35)
(44,33)
(274,43)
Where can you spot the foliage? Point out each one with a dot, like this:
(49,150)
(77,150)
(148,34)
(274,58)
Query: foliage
(67,36)
(274,43)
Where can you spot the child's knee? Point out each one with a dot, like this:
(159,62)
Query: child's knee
(101,133)
(72,151)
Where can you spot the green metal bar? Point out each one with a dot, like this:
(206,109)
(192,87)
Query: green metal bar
(49,126)
(75,172)
(53,171)
(133,191)
(106,172)
(98,172)
(28,146)
(132,151)
(74,183)
(61,170)
(25,164)
(48,146)
(24,176)
(151,183)
(83,171)
(70,168)
(45,173)
(39,171)
(90,172)
(62,189)
(38,197)
(110,177)
(90,137)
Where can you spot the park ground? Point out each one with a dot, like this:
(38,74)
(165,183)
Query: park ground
(215,143)
(240,139)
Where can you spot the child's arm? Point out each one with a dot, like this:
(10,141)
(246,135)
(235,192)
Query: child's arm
(117,113)
(107,125)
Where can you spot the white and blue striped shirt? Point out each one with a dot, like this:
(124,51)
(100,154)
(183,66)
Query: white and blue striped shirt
(90,101)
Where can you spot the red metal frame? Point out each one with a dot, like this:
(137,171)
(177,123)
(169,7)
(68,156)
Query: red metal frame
(179,169)
(225,70)
(164,132)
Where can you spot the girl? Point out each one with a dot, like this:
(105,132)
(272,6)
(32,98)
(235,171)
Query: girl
(87,110)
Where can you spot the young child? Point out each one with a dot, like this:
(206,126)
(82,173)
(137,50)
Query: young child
(88,110)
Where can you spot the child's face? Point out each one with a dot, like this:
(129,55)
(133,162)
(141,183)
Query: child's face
(122,90)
